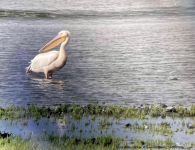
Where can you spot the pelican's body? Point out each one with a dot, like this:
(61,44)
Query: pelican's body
(53,60)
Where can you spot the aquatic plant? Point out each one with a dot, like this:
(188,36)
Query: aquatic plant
(149,143)
(163,113)
(183,111)
(168,143)
(125,144)
(87,123)
(138,143)
(155,110)
(191,131)
(192,110)
(183,124)
(104,123)
(77,112)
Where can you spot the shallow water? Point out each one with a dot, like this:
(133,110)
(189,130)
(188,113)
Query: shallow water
(120,51)
(116,128)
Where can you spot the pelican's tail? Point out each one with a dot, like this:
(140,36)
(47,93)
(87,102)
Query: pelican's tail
(28,70)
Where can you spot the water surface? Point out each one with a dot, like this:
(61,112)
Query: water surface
(120,51)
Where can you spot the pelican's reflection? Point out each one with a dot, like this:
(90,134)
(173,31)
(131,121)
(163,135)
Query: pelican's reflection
(61,123)
(45,84)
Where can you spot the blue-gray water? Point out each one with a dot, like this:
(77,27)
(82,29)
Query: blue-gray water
(120,51)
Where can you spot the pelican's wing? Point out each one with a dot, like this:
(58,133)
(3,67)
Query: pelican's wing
(43,60)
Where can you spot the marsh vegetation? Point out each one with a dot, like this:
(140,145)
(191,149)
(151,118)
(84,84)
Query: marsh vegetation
(97,127)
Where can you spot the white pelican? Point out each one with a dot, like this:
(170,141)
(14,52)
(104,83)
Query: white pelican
(53,60)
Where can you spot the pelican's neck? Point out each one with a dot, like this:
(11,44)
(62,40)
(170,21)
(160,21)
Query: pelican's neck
(63,45)
(61,61)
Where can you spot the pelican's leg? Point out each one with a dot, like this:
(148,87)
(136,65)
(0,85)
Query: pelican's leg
(50,76)
(46,76)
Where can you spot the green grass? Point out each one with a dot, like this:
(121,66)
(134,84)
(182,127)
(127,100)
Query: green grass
(54,142)
(77,111)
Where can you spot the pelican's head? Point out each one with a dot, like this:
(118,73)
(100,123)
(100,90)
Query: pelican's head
(62,35)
